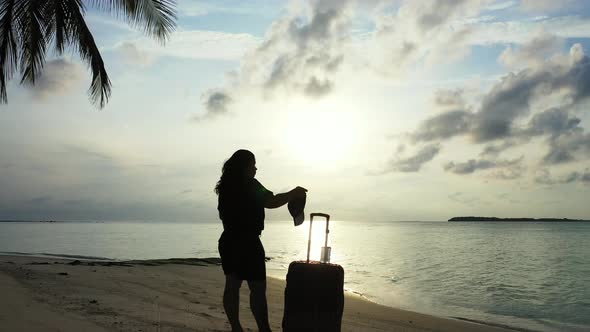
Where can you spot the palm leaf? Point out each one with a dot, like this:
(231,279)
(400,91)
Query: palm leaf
(100,87)
(156,17)
(27,27)
(58,19)
(31,27)
(8,47)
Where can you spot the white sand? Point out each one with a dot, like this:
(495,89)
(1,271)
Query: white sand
(45,294)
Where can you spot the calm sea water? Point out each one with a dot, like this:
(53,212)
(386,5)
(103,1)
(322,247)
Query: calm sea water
(529,275)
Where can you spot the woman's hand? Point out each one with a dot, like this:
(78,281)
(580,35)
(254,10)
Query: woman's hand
(297,192)
(284,198)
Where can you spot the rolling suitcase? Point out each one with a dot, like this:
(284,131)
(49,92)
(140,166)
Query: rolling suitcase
(314,295)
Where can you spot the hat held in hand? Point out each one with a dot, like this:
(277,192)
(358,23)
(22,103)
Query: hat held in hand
(296,207)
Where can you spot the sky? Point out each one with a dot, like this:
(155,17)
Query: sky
(383,110)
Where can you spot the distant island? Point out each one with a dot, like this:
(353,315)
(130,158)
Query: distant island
(515,219)
(30,221)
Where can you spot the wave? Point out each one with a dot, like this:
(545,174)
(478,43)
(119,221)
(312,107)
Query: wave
(45,254)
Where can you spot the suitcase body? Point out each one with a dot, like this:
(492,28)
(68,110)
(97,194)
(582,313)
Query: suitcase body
(314,295)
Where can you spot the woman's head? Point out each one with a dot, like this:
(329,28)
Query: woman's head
(239,167)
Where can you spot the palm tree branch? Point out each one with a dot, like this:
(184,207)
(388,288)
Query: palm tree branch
(100,87)
(8,47)
(156,17)
(30,23)
(57,23)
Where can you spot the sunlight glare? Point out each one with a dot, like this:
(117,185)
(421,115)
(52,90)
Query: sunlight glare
(318,238)
(319,137)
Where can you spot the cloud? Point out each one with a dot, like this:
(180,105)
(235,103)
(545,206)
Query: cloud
(553,122)
(58,78)
(501,5)
(133,55)
(421,32)
(564,148)
(565,138)
(315,88)
(415,162)
(544,177)
(301,52)
(474,165)
(423,17)
(493,150)
(510,100)
(194,8)
(520,31)
(216,102)
(579,177)
(544,5)
(431,15)
(469,166)
(507,101)
(304,51)
(510,114)
(510,172)
(197,44)
(449,98)
(433,32)
(532,54)
(300,55)
(444,126)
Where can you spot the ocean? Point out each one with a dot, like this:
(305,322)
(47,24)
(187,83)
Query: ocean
(533,275)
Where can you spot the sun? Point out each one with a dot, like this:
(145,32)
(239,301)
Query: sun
(320,137)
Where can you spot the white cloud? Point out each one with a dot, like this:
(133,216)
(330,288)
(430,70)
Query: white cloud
(520,31)
(302,51)
(216,102)
(193,8)
(533,53)
(201,44)
(134,55)
(429,32)
(300,55)
(201,8)
(544,5)
(59,76)
(473,165)
(501,5)
(515,111)
(412,163)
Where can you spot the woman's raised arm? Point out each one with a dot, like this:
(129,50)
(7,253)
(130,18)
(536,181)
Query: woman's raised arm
(281,199)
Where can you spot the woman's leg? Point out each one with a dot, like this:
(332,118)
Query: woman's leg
(258,304)
(231,301)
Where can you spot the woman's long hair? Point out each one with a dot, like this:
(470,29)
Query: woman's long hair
(233,172)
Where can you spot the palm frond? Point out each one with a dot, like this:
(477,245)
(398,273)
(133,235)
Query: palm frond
(30,23)
(100,87)
(27,27)
(57,24)
(8,47)
(156,17)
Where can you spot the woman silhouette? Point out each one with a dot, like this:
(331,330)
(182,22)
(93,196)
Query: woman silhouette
(241,203)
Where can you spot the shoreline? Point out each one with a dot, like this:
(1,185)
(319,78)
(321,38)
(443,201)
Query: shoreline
(178,293)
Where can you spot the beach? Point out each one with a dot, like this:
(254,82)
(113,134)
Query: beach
(49,294)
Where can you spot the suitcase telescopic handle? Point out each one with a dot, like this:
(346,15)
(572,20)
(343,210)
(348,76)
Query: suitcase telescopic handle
(317,214)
